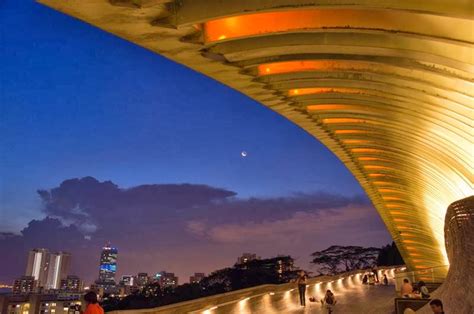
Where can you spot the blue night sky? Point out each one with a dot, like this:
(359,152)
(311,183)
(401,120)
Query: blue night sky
(76,101)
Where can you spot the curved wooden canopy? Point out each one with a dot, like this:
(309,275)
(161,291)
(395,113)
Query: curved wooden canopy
(387,86)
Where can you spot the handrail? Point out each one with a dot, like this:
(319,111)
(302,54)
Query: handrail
(435,274)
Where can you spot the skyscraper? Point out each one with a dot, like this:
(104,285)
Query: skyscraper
(59,264)
(108,266)
(38,266)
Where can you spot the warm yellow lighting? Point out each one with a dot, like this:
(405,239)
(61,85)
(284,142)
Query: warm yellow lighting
(328,107)
(349,142)
(403,227)
(391,198)
(222,37)
(376,175)
(388,191)
(421,266)
(344,121)
(376,167)
(367,150)
(396,212)
(384,183)
(369,158)
(322,90)
(399,220)
(350,132)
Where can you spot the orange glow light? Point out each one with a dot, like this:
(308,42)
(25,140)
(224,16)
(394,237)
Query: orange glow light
(375,175)
(295,66)
(350,132)
(396,212)
(344,120)
(284,21)
(369,158)
(321,90)
(369,167)
(399,220)
(383,183)
(311,66)
(356,141)
(392,198)
(366,150)
(398,206)
(388,191)
(329,107)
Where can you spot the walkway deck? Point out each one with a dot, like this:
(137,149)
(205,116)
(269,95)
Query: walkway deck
(352,299)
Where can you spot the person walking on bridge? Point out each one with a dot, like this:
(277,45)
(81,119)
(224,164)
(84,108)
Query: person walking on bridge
(301,282)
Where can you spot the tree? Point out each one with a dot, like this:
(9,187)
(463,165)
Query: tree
(336,259)
(389,255)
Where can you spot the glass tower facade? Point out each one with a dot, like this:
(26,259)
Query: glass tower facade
(108,265)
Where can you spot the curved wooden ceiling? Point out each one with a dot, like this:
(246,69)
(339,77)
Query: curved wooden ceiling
(387,86)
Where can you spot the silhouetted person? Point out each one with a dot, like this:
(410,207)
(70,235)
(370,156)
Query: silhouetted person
(425,293)
(92,306)
(437,306)
(376,275)
(365,279)
(371,279)
(407,288)
(301,281)
(330,300)
(385,280)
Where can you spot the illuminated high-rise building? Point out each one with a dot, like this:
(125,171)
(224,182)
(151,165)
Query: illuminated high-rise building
(108,266)
(25,285)
(166,280)
(127,280)
(142,279)
(71,284)
(38,266)
(59,264)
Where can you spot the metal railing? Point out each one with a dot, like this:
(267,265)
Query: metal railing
(433,275)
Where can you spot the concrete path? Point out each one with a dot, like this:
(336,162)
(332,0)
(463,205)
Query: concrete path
(351,298)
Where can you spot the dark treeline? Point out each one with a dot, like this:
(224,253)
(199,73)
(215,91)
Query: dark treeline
(252,273)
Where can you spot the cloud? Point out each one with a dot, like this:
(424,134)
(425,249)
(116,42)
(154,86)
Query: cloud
(185,228)
(49,233)
(298,226)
